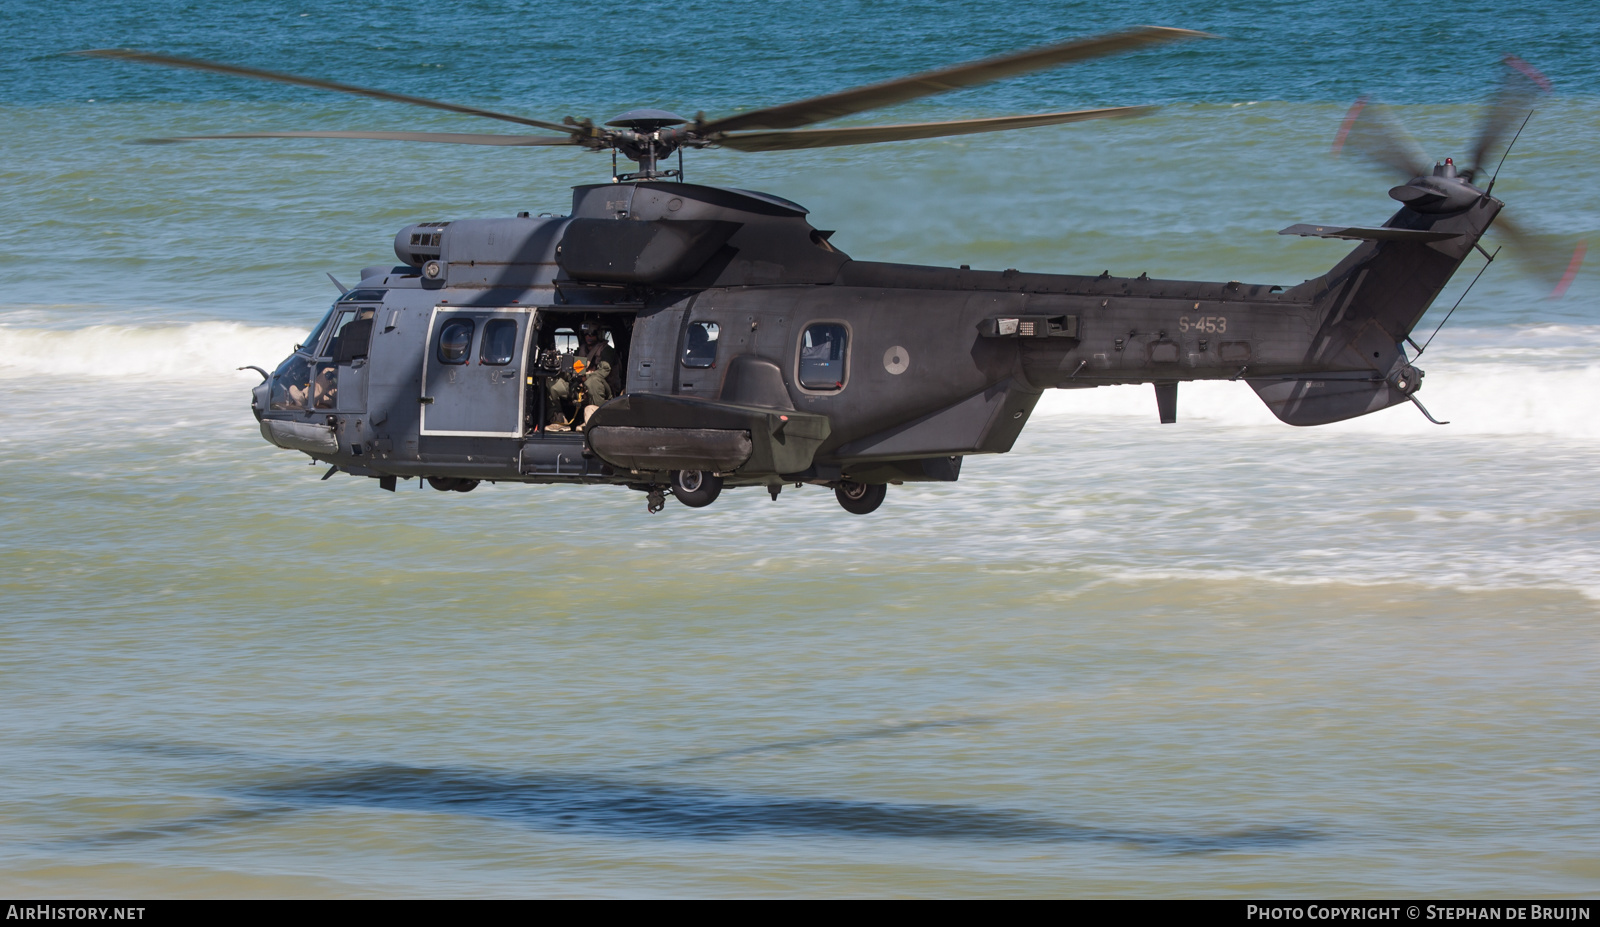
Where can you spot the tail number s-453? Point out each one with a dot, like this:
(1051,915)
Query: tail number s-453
(1214,324)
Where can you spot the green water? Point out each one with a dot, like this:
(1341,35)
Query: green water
(1223,657)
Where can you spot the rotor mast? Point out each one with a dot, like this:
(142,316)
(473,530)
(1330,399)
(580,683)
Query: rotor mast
(646,138)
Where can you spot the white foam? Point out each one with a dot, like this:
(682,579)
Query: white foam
(1541,380)
(182,352)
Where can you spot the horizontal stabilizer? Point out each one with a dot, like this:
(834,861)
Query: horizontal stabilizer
(1355,233)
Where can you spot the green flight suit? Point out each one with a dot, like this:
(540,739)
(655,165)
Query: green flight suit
(599,381)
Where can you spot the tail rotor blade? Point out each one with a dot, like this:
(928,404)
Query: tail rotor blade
(1574,264)
(1545,257)
(1372,133)
(1571,272)
(1519,90)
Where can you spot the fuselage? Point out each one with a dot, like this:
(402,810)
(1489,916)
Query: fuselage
(731,313)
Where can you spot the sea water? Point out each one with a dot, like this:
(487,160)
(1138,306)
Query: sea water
(1221,657)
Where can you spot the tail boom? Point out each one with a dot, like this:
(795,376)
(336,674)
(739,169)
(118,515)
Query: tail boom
(1366,308)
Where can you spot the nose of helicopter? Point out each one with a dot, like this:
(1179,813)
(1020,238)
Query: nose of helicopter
(258,397)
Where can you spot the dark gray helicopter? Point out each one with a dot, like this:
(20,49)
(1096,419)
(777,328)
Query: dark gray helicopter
(751,352)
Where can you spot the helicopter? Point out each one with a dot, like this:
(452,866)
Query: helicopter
(743,349)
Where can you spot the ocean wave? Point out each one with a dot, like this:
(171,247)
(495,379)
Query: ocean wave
(166,352)
(1533,380)
(1542,380)
(1485,399)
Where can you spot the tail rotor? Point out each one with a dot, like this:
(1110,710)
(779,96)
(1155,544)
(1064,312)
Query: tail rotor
(1371,132)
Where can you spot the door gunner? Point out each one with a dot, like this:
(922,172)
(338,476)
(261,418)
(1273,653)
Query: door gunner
(599,377)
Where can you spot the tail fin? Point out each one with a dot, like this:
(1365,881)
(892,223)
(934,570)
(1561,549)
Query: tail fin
(1367,306)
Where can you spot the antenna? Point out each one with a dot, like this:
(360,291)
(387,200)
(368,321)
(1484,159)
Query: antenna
(1490,188)
(1453,309)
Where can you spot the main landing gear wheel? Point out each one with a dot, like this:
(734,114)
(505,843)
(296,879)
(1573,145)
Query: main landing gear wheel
(860,498)
(452,483)
(696,488)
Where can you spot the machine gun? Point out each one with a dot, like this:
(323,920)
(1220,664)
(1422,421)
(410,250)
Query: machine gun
(553,363)
(566,365)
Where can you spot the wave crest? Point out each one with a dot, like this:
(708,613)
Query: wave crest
(189,351)
(1535,380)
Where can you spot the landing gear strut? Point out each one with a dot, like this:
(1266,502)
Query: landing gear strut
(860,498)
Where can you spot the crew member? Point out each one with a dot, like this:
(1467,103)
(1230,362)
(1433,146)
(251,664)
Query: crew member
(601,379)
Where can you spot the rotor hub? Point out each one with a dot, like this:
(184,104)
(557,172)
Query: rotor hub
(646,120)
(1445,190)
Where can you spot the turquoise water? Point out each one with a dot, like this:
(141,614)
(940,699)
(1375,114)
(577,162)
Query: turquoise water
(1222,657)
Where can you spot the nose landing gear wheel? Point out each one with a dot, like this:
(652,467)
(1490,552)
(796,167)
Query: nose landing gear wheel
(860,498)
(696,488)
(452,483)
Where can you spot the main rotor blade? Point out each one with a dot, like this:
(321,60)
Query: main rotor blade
(1511,105)
(860,99)
(784,140)
(197,64)
(448,138)
(1372,132)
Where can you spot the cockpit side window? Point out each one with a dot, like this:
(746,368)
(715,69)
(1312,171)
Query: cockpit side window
(823,351)
(327,342)
(325,387)
(700,344)
(315,338)
(342,336)
(565,340)
(291,384)
(354,337)
(455,341)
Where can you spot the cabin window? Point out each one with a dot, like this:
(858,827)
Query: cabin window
(700,346)
(455,341)
(822,356)
(499,342)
